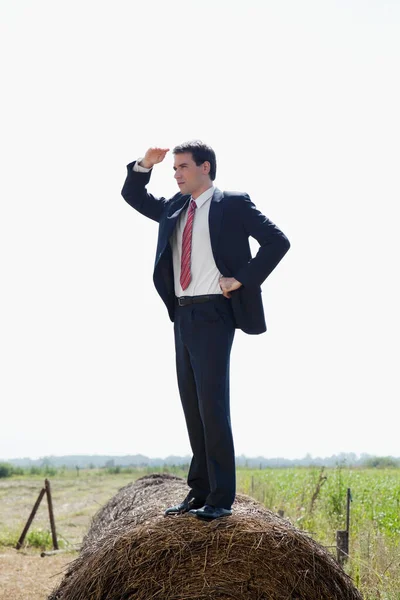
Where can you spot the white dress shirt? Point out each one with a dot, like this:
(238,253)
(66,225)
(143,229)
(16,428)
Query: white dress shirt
(204,271)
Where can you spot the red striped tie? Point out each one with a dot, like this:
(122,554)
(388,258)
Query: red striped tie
(187,247)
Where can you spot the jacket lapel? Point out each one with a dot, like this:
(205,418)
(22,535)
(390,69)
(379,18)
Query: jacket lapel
(214,223)
(215,219)
(174,212)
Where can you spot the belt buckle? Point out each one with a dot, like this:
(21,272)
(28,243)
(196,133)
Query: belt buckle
(181,301)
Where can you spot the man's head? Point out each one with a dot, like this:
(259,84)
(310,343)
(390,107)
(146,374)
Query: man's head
(195,167)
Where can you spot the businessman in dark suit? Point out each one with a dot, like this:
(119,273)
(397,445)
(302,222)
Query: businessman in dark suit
(210,284)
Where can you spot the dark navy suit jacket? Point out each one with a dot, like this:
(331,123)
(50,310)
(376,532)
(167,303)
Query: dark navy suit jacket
(232,219)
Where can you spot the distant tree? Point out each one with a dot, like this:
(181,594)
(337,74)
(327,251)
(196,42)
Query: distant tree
(382,462)
(6,470)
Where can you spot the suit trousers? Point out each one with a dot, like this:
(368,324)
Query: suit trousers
(204,335)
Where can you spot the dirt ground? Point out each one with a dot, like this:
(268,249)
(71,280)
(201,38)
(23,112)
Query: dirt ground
(24,575)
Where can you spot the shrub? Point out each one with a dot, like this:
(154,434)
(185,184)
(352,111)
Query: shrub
(113,470)
(49,471)
(34,470)
(6,470)
(37,538)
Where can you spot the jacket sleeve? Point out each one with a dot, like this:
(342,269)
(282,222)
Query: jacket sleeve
(135,193)
(273,245)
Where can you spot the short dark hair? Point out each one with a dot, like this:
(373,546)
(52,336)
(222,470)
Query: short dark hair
(200,152)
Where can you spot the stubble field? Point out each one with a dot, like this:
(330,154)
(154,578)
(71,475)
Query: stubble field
(312,499)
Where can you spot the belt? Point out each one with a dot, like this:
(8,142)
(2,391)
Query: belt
(185,300)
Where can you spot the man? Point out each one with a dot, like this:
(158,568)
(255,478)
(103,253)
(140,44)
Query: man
(210,284)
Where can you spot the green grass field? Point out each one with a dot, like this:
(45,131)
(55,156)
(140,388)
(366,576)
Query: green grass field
(374,550)
(312,499)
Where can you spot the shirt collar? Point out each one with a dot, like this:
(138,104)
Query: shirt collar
(202,199)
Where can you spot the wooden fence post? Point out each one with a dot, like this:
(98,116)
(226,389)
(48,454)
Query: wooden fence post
(342,536)
(342,546)
(51,514)
(30,519)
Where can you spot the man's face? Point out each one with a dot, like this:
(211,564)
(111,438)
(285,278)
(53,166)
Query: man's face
(190,177)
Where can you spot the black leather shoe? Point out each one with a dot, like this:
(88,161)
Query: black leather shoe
(208,512)
(188,503)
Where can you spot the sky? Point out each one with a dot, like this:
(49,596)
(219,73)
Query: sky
(300,101)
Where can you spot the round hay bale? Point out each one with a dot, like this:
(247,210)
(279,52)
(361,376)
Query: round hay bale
(132,552)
